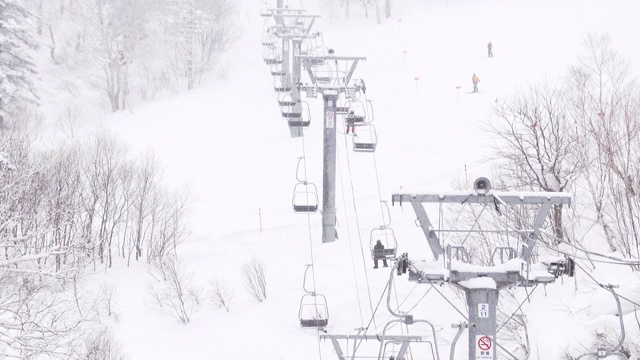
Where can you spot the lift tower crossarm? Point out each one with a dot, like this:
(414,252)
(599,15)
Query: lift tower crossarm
(306,60)
(545,199)
(313,18)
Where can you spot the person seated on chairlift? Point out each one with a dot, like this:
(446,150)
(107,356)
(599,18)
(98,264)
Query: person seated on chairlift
(378,253)
(351,120)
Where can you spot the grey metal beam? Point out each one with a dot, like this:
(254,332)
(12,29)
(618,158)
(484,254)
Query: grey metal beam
(541,216)
(373,337)
(339,58)
(329,168)
(425,224)
(336,346)
(471,198)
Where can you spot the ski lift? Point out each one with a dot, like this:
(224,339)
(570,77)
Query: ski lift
(356,113)
(366,140)
(264,10)
(313,307)
(297,115)
(268,39)
(285,99)
(387,238)
(305,198)
(319,51)
(305,195)
(277,69)
(281,84)
(324,72)
(390,352)
(272,55)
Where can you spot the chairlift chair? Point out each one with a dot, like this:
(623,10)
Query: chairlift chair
(305,198)
(390,351)
(277,70)
(264,10)
(366,139)
(388,238)
(299,115)
(285,99)
(268,39)
(356,112)
(313,311)
(280,84)
(272,55)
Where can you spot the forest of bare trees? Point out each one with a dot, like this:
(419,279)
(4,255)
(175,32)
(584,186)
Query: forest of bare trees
(579,136)
(88,204)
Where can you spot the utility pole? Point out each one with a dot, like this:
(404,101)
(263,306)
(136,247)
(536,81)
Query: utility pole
(330,98)
(482,285)
(330,85)
(292,37)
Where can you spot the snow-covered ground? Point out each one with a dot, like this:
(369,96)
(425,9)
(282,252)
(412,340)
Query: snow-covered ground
(227,142)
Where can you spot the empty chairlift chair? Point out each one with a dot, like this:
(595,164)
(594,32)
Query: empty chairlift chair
(305,195)
(285,100)
(277,70)
(264,10)
(305,198)
(313,312)
(387,237)
(281,84)
(366,139)
(297,114)
(272,55)
(268,39)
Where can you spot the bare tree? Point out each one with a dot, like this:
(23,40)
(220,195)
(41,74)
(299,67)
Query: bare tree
(100,344)
(71,119)
(537,145)
(606,108)
(173,291)
(254,275)
(221,293)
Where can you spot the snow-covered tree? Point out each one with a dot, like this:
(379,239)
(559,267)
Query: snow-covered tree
(17,70)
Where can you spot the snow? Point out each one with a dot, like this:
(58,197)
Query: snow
(479,283)
(227,142)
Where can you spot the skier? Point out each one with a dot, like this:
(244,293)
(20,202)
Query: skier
(475,80)
(378,253)
(351,120)
(490,47)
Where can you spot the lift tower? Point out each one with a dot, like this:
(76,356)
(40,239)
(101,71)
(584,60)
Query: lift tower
(329,75)
(293,28)
(482,284)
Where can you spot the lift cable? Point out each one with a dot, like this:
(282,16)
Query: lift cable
(353,265)
(518,308)
(617,297)
(622,261)
(372,317)
(384,221)
(358,228)
(601,285)
(313,268)
(584,258)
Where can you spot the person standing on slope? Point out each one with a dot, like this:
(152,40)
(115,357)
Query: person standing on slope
(475,80)
(490,48)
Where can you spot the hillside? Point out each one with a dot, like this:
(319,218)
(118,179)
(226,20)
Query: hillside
(226,142)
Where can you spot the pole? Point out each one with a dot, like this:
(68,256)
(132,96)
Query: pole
(296,70)
(482,313)
(260,219)
(329,168)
